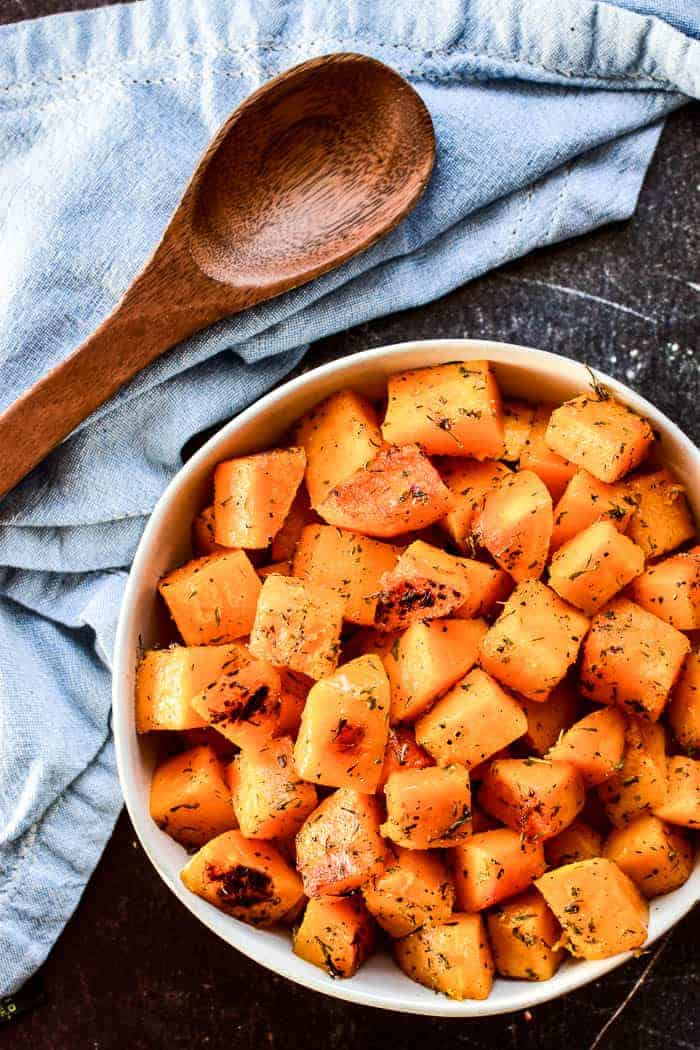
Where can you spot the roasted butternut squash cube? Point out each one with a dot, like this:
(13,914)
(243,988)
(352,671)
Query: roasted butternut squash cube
(427,659)
(248,879)
(515,525)
(524,936)
(468,480)
(212,600)
(595,745)
(547,721)
(640,783)
(534,641)
(414,889)
(518,417)
(335,934)
(631,658)
(594,566)
(299,515)
(452,957)
(554,470)
(339,847)
(402,752)
(471,722)
(243,703)
(428,808)
(270,799)
(275,568)
(203,538)
(662,520)
(535,797)
(344,727)
(350,564)
(425,583)
(657,857)
(681,804)
(489,588)
(253,495)
(599,908)
(580,841)
(297,625)
(599,434)
(294,691)
(671,590)
(167,679)
(451,410)
(493,865)
(684,708)
(340,435)
(398,491)
(585,501)
(189,797)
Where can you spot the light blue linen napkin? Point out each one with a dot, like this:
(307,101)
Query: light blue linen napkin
(547,113)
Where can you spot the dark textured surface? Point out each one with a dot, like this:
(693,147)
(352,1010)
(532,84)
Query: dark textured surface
(135,971)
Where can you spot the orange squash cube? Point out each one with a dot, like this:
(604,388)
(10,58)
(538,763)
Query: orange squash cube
(451,410)
(297,625)
(524,935)
(471,722)
(631,658)
(580,841)
(212,600)
(189,797)
(414,889)
(270,799)
(468,480)
(253,494)
(518,417)
(662,520)
(339,847)
(489,588)
(275,568)
(534,641)
(398,491)
(640,783)
(167,679)
(515,525)
(300,514)
(594,566)
(585,501)
(535,797)
(536,455)
(340,435)
(671,590)
(599,908)
(599,434)
(294,691)
(425,583)
(681,804)
(402,752)
(243,703)
(203,538)
(344,727)
(335,934)
(248,879)
(547,721)
(493,865)
(684,708)
(594,745)
(428,808)
(350,564)
(452,957)
(657,858)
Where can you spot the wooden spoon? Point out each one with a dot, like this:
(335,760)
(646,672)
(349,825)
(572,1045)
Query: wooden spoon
(313,168)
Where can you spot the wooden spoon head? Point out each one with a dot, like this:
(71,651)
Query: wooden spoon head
(314,167)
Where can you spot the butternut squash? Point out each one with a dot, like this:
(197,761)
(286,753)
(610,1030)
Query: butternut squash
(468,480)
(212,600)
(270,799)
(253,495)
(339,847)
(515,524)
(402,752)
(599,434)
(537,456)
(413,889)
(203,538)
(518,417)
(662,519)
(547,721)
(579,841)
(299,515)
(658,858)
(167,679)
(594,745)
(524,938)
(684,708)
(681,803)
(640,783)
(594,566)
(452,957)
(492,865)
(428,808)
(671,590)
(189,797)
(335,934)
(425,583)
(243,703)
(585,501)
(535,797)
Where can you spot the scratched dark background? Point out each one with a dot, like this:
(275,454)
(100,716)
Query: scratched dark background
(135,971)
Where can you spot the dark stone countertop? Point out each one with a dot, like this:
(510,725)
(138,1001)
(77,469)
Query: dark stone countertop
(135,971)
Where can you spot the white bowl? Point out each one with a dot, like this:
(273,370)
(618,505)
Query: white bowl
(166,543)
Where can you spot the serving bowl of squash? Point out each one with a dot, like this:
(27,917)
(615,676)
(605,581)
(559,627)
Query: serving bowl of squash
(407,679)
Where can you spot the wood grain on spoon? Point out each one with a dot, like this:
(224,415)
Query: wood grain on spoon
(313,168)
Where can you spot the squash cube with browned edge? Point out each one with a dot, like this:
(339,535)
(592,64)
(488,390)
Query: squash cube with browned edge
(681,804)
(253,494)
(189,797)
(662,520)
(594,745)
(414,889)
(536,455)
(243,703)
(344,727)
(684,708)
(599,908)
(340,435)
(398,491)
(402,752)
(350,564)
(671,590)
(270,799)
(534,641)
(248,879)
(546,722)
(297,625)
(515,525)
(585,501)
(518,417)
(533,796)
(657,857)
(640,782)
(452,957)
(339,847)
(428,808)
(599,434)
(594,566)
(579,841)
(473,721)
(468,480)
(335,934)
(451,410)
(212,600)
(492,865)
(167,679)
(631,658)
(524,934)
(426,583)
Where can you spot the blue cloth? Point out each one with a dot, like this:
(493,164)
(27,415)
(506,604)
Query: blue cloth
(547,113)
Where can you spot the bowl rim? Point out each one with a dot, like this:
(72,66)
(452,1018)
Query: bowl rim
(243,937)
